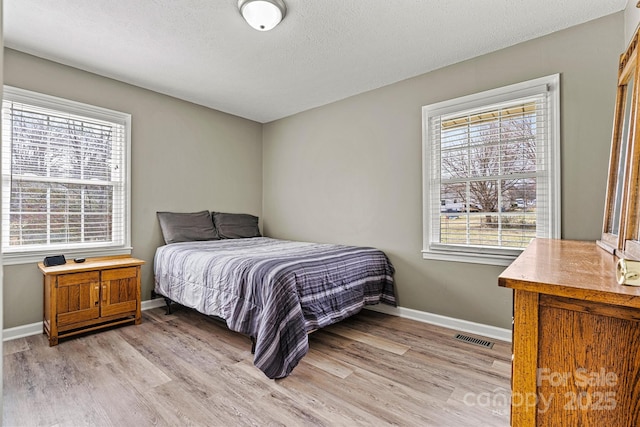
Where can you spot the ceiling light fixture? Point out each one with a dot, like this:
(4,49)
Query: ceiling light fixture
(262,15)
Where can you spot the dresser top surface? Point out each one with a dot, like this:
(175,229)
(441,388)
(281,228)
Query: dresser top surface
(570,268)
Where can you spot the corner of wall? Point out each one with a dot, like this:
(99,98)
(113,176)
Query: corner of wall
(631,21)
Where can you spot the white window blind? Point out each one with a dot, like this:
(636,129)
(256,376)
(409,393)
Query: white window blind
(65,175)
(492,172)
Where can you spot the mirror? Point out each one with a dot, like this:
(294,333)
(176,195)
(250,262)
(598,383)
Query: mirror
(621,225)
(631,238)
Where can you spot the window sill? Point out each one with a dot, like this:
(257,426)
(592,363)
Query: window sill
(31,257)
(471,258)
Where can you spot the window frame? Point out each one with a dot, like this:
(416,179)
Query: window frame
(483,254)
(24,254)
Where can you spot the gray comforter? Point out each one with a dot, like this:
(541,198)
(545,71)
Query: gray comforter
(274,290)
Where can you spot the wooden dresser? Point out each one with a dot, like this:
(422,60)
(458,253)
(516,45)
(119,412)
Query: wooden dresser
(576,338)
(95,294)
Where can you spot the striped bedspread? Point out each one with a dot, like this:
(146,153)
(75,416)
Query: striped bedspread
(274,290)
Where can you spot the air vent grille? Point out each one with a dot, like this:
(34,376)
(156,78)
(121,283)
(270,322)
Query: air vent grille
(472,340)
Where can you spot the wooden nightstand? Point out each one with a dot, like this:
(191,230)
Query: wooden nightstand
(95,294)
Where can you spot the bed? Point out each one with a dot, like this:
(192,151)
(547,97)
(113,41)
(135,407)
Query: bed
(275,291)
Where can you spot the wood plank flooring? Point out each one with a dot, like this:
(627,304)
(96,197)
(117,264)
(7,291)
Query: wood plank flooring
(187,369)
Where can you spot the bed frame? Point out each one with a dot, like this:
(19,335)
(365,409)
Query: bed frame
(169,301)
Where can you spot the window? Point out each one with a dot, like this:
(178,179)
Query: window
(491,172)
(65,178)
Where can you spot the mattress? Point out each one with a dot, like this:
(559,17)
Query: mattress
(275,291)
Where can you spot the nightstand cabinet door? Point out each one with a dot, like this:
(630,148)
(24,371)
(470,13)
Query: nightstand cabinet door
(78,297)
(119,291)
(96,294)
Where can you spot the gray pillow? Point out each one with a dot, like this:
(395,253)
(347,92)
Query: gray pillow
(235,226)
(186,227)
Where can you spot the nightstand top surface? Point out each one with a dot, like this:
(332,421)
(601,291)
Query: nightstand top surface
(101,263)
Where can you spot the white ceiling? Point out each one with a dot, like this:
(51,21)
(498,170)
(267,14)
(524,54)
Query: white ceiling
(324,50)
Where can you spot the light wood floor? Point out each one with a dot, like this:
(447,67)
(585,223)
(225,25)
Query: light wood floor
(187,369)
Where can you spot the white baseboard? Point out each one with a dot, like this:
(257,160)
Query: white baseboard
(152,303)
(447,322)
(22,331)
(420,316)
(38,328)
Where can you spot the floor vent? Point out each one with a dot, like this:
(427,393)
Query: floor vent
(476,341)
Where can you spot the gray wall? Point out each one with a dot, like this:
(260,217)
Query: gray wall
(631,20)
(184,158)
(350,172)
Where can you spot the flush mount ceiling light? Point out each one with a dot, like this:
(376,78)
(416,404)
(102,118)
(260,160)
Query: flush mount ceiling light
(262,15)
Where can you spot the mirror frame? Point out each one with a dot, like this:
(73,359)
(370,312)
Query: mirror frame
(623,184)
